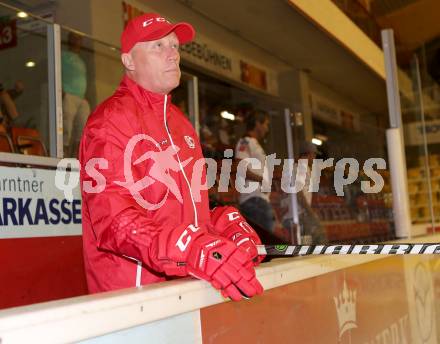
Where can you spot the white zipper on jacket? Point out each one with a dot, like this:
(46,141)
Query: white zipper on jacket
(138,270)
(196,221)
(138,274)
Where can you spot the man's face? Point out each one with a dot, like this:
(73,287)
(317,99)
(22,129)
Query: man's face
(262,128)
(155,64)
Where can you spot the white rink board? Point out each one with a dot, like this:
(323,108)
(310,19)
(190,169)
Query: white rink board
(183,329)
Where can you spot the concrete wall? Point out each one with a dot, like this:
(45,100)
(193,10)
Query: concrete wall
(74,14)
(368,142)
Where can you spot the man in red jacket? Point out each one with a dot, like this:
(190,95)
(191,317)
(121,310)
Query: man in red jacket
(151,217)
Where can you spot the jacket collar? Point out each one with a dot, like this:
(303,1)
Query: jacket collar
(145,98)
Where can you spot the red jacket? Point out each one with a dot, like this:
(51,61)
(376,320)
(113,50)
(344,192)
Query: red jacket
(117,229)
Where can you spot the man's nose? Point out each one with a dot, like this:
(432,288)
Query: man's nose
(172,54)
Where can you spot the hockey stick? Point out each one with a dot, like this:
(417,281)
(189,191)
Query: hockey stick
(302,250)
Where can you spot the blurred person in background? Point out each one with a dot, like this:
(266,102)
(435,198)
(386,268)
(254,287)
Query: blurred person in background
(255,205)
(76,108)
(17,90)
(312,231)
(8,110)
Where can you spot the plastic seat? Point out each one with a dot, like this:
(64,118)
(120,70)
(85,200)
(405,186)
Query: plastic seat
(28,141)
(6,144)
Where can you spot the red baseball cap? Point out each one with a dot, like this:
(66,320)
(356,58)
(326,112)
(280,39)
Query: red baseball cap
(152,26)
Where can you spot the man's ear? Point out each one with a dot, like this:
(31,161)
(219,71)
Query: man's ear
(127,61)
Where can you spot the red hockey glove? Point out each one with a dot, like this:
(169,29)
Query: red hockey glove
(229,224)
(193,251)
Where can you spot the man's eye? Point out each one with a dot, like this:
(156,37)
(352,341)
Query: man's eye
(159,44)
(176,46)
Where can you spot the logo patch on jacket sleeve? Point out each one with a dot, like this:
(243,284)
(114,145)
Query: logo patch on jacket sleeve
(190,141)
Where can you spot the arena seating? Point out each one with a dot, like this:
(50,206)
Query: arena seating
(28,141)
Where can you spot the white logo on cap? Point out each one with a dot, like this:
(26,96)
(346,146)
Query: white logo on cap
(151,20)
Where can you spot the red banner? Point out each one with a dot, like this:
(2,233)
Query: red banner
(253,76)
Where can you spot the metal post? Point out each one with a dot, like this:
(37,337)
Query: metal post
(392,81)
(193,102)
(293,204)
(55,91)
(395,142)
